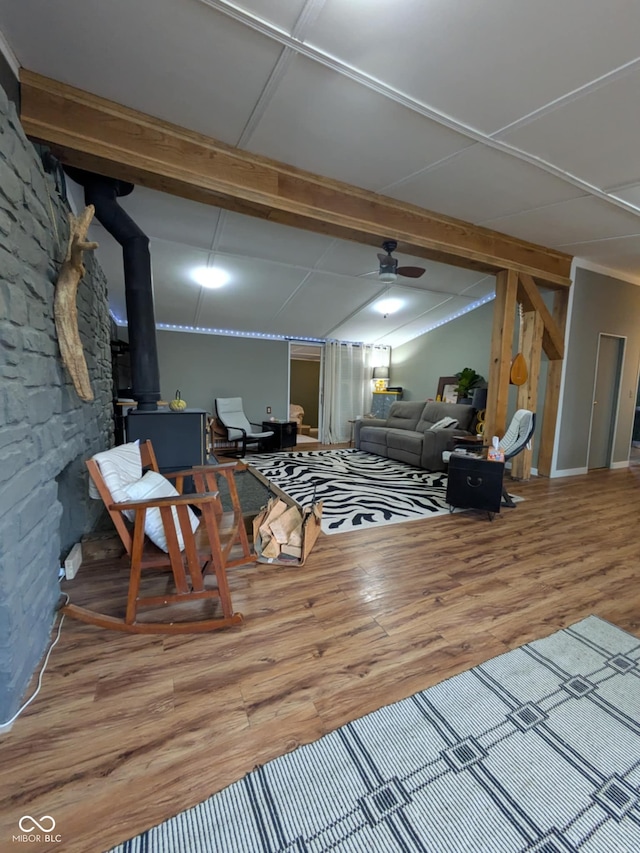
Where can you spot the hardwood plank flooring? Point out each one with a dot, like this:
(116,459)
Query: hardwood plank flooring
(128,730)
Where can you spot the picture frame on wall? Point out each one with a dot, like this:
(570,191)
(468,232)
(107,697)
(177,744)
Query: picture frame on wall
(447,389)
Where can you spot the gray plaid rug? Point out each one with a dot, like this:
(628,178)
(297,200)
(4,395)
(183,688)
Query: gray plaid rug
(535,750)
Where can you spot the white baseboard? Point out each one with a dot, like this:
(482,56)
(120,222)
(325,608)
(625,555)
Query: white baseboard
(569,472)
(576,472)
(507,467)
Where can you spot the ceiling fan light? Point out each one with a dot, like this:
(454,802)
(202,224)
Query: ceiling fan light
(386,275)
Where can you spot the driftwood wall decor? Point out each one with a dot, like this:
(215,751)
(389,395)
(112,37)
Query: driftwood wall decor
(65,310)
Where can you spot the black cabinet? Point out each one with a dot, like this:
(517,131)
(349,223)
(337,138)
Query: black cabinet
(284,434)
(178,438)
(474,483)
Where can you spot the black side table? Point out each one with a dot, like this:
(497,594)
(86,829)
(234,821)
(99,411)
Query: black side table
(284,434)
(474,443)
(474,483)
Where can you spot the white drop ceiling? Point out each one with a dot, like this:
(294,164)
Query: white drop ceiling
(523,117)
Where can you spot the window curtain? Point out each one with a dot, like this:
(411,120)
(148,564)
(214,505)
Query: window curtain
(346,386)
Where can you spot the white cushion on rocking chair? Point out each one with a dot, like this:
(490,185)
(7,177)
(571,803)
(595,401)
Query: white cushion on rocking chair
(154,485)
(120,467)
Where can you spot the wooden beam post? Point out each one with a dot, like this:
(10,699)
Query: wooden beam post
(532,331)
(501,353)
(547,430)
(553,336)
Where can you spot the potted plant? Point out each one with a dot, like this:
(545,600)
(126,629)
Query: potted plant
(468,379)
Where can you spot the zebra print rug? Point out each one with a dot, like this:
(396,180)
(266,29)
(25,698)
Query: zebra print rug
(534,751)
(357,489)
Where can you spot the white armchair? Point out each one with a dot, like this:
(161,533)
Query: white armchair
(296,413)
(230,413)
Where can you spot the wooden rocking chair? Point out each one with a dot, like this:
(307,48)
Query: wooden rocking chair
(190,554)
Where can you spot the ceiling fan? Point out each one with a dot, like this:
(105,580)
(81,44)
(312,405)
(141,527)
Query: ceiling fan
(389,269)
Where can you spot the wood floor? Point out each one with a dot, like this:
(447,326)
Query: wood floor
(129,730)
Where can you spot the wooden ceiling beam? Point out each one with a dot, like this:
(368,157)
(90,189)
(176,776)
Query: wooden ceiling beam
(92,133)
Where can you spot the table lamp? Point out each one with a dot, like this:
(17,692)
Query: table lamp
(381,376)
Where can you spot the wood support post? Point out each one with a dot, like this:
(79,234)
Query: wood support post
(501,350)
(540,331)
(553,335)
(547,430)
(532,331)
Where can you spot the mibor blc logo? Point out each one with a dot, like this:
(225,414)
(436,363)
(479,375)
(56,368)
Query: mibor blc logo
(40,829)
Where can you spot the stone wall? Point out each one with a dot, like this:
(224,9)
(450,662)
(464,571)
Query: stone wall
(46,431)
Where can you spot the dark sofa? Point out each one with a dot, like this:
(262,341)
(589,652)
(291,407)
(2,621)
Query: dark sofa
(407,435)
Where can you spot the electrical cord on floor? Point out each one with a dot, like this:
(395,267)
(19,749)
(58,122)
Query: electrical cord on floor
(44,666)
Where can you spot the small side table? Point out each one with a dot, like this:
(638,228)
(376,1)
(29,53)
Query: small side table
(473,442)
(284,435)
(474,483)
(352,426)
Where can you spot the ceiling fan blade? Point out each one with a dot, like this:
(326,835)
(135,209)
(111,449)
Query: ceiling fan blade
(383,258)
(410,272)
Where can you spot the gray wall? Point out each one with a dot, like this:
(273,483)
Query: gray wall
(600,304)
(465,342)
(46,431)
(204,367)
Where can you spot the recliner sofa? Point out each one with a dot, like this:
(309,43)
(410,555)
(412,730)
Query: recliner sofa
(407,435)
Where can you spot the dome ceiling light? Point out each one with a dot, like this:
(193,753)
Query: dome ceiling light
(210,277)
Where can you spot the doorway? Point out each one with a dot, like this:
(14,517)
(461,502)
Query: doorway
(305,367)
(604,409)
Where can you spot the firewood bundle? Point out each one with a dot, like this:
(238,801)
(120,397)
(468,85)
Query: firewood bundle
(285,534)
